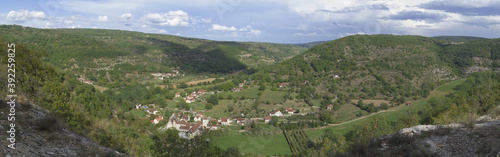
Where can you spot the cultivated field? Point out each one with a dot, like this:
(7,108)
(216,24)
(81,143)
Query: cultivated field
(200,81)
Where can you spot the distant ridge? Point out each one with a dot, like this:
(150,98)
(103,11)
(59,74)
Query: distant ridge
(310,44)
(458,38)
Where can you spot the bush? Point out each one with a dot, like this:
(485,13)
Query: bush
(209,106)
(470,121)
(46,123)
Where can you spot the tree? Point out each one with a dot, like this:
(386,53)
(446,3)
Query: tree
(209,106)
(326,117)
(214,99)
(336,140)
(262,87)
(183,85)
(230,97)
(233,152)
(410,119)
(183,105)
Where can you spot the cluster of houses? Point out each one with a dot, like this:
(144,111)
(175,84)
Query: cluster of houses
(85,81)
(189,129)
(162,76)
(192,97)
(240,87)
(150,111)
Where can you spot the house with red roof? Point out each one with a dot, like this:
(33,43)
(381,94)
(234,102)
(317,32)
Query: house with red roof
(241,121)
(267,119)
(290,110)
(329,107)
(276,113)
(157,120)
(225,121)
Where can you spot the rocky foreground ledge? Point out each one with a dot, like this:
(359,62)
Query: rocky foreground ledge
(453,140)
(39,134)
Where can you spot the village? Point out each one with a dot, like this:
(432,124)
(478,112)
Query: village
(194,122)
(191,123)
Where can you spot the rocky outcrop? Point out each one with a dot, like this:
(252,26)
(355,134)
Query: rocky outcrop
(458,140)
(37,136)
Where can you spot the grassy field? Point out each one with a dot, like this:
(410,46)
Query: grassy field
(100,88)
(446,88)
(138,113)
(264,145)
(273,97)
(218,110)
(249,93)
(390,115)
(348,112)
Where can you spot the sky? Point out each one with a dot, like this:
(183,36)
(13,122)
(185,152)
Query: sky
(276,21)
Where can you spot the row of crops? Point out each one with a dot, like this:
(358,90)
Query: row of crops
(297,141)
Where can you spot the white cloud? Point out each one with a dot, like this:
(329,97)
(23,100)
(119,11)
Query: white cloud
(126,17)
(255,32)
(102,18)
(216,27)
(172,18)
(235,32)
(305,34)
(25,15)
(208,20)
(163,31)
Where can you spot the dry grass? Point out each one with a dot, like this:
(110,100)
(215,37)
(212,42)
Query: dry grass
(200,81)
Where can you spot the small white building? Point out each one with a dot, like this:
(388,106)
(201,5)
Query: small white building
(152,111)
(225,121)
(276,113)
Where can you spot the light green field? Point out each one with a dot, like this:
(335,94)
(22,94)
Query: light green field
(273,96)
(218,110)
(138,113)
(446,88)
(347,112)
(264,145)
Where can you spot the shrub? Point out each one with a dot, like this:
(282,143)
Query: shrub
(470,121)
(46,123)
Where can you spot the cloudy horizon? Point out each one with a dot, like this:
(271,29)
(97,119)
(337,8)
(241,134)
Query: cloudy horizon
(287,21)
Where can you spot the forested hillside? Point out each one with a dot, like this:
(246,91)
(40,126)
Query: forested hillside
(84,50)
(395,68)
(99,116)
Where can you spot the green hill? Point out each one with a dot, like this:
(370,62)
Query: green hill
(388,67)
(458,38)
(81,50)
